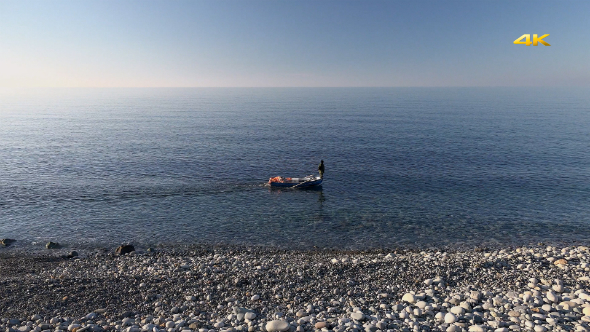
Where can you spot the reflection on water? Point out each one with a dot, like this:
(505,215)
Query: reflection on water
(315,210)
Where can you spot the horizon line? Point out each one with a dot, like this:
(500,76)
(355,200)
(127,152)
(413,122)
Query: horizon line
(292,87)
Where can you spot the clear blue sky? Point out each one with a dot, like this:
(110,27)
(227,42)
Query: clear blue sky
(276,43)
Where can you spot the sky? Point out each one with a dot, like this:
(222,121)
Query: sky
(288,43)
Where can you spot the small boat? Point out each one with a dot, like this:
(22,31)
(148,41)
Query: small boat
(304,182)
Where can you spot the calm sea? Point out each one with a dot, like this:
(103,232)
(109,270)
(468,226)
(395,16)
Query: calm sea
(404,166)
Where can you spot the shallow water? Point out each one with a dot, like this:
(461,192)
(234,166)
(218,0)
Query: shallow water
(404,166)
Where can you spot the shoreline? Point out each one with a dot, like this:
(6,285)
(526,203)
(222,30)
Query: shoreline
(211,289)
(28,248)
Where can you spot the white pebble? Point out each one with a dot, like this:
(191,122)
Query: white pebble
(450,318)
(408,297)
(552,296)
(457,310)
(357,316)
(277,325)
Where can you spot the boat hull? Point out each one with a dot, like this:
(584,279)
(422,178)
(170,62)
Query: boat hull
(307,184)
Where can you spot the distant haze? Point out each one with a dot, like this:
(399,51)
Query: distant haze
(279,43)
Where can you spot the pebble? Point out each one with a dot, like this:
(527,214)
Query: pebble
(552,297)
(320,325)
(513,313)
(357,316)
(458,310)
(558,288)
(475,295)
(408,297)
(450,318)
(277,325)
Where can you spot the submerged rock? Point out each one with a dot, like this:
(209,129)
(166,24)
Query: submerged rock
(52,245)
(125,249)
(6,242)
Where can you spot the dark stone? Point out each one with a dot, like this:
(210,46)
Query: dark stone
(239,282)
(71,255)
(127,313)
(125,249)
(370,328)
(52,245)
(6,242)
(477,319)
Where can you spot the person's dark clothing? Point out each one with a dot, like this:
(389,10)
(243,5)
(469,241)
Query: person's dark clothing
(321,169)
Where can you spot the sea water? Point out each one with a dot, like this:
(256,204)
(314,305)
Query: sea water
(404,166)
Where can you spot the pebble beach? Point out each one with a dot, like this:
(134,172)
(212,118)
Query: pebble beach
(542,288)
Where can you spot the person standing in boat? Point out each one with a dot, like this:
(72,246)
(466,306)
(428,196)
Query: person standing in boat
(321,169)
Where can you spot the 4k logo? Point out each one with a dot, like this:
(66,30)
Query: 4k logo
(527,38)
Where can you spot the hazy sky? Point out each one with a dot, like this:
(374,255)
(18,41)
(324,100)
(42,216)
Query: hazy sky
(251,43)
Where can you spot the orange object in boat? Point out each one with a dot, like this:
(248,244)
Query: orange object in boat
(275,179)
